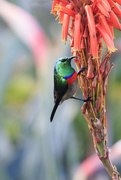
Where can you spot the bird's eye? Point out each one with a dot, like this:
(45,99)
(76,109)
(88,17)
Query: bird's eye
(63,60)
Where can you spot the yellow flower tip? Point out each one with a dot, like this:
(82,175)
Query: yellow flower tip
(57,17)
(112,50)
(57,7)
(64,40)
(53,12)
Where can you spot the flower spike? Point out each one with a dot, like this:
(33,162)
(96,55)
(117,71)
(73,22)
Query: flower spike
(86,23)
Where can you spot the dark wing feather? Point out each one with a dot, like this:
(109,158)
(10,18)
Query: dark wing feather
(60,88)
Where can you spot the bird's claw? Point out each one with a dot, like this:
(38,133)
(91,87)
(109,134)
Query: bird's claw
(88,99)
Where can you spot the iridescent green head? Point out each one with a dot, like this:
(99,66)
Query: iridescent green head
(64,62)
(63,66)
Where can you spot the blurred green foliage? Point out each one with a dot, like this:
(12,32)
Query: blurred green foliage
(19,89)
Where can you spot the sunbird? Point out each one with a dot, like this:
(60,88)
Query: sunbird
(65,82)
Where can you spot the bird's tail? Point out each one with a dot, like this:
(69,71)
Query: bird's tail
(54,110)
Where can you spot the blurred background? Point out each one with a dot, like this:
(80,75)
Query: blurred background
(30,146)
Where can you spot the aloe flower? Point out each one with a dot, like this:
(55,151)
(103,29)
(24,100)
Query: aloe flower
(84,24)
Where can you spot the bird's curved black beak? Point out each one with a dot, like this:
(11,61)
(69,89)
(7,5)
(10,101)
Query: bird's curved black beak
(70,58)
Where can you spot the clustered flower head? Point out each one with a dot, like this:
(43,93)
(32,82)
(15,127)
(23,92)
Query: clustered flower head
(85,23)
(94,19)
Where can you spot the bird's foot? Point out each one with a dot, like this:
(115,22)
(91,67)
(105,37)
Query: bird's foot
(88,99)
(84,100)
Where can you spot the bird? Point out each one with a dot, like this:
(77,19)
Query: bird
(65,82)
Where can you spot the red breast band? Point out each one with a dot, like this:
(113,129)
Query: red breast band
(73,78)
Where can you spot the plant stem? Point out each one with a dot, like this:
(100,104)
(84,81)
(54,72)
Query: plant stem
(112,171)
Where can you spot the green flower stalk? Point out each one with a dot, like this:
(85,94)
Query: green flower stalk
(86,23)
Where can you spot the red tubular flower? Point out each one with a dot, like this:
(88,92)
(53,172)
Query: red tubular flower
(65,27)
(61,14)
(113,21)
(92,31)
(102,9)
(105,25)
(77,32)
(55,2)
(66,20)
(105,4)
(111,29)
(106,37)
(66,10)
(115,8)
